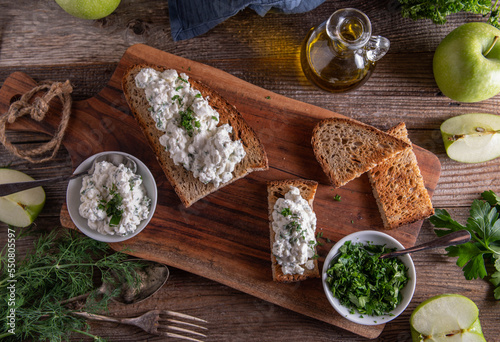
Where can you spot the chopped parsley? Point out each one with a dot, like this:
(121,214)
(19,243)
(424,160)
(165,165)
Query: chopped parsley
(178,98)
(337,198)
(188,120)
(362,282)
(286,212)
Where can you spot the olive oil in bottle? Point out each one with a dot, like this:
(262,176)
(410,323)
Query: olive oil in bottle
(340,54)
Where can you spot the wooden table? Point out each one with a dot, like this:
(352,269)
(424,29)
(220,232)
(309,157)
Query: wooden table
(41,40)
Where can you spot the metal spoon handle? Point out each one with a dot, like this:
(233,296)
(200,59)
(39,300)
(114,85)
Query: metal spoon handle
(10,188)
(455,238)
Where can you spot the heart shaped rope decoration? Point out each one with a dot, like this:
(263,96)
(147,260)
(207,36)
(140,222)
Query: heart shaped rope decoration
(37,108)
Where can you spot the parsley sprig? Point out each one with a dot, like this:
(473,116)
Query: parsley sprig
(438,10)
(484,247)
(362,281)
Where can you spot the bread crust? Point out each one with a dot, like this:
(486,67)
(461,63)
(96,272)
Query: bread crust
(188,188)
(399,188)
(346,148)
(277,189)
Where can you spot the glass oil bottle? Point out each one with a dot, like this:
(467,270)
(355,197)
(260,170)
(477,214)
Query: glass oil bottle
(340,54)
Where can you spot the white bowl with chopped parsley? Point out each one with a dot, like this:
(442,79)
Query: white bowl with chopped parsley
(114,203)
(363,288)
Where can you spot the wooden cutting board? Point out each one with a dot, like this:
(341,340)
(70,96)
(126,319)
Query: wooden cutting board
(225,237)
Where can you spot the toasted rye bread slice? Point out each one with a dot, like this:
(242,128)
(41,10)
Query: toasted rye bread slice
(347,148)
(399,187)
(188,188)
(278,189)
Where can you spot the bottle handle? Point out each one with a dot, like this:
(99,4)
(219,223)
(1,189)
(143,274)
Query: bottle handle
(377,47)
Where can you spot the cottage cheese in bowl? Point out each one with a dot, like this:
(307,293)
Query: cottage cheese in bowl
(113,204)
(114,200)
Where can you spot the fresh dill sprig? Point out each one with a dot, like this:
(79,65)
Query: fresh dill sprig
(61,265)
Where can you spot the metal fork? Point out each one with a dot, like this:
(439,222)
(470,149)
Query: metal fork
(155,322)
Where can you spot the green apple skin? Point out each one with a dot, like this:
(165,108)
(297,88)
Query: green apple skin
(89,9)
(447,311)
(461,70)
(21,208)
(474,148)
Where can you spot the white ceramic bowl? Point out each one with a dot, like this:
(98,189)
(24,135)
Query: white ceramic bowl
(73,199)
(376,238)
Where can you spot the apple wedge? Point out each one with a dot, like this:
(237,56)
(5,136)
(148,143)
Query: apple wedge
(21,208)
(446,318)
(472,138)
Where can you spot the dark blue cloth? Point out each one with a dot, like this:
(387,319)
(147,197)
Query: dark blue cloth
(190,18)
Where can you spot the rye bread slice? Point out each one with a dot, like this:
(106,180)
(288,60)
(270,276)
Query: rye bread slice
(188,188)
(278,189)
(399,187)
(346,148)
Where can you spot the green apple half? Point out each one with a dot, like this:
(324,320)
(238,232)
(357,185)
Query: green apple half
(21,208)
(472,138)
(446,318)
(466,63)
(89,9)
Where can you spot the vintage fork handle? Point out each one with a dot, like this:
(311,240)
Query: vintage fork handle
(94,317)
(10,188)
(455,238)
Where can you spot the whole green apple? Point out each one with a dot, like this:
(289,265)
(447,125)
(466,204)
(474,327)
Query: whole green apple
(89,9)
(466,63)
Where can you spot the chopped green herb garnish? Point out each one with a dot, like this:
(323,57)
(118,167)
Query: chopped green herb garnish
(268,97)
(179,88)
(188,120)
(362,281)
(178,98)
(113,207)
(337,198)
(198,95)
(286,212)
(183,80)
(215,118)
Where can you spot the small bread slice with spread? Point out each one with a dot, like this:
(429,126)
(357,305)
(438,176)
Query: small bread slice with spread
(200,140)
(399,187)
(346,148)
(292,224)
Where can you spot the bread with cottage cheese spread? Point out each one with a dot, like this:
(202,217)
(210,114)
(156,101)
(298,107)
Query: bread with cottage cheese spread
(275,190)
(189,188)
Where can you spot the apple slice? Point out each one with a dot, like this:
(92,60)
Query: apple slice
(446,318)
(21,208)
(472,138)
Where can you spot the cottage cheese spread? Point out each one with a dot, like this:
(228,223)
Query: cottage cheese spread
(113,199)
(294,225)
(190,124)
